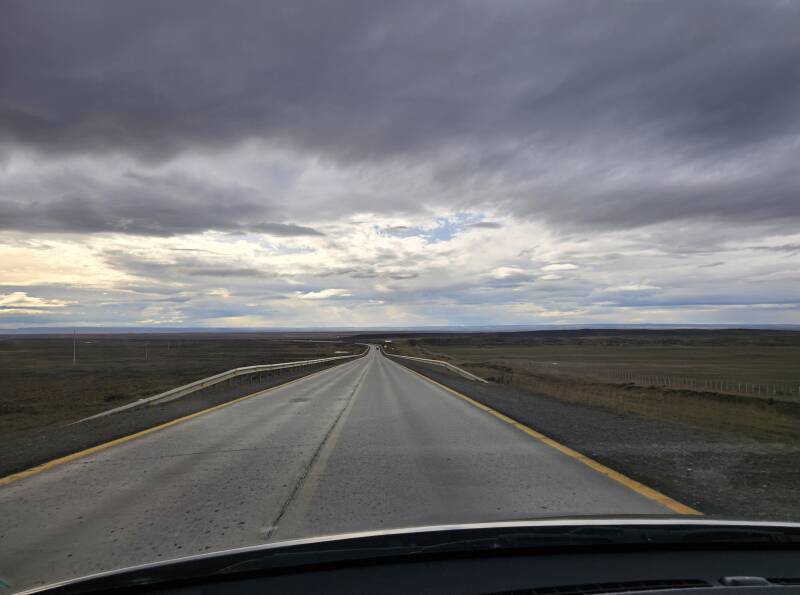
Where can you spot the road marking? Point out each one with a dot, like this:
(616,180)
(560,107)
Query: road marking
(629,483)
(317,461)
(100,447)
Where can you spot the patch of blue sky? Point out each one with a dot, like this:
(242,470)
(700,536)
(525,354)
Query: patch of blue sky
(442,229)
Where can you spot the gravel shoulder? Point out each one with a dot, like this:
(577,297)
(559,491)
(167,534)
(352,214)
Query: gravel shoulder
(25,449)
(717,474)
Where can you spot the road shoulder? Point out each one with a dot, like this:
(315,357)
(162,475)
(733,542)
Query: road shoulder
(714,473)
(26,449)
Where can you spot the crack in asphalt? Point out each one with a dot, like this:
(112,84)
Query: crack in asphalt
(270,529)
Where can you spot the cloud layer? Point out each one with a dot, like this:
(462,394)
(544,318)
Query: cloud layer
(308,162)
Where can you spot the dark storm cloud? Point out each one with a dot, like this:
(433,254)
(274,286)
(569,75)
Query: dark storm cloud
(284,229)
(133,203)
(788,248)
(528,92)
(770,194)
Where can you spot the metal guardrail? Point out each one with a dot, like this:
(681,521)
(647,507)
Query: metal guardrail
(186,389)
(436,362)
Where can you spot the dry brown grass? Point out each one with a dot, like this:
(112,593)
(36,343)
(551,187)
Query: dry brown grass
(507,360)
(760,419)
(40,386)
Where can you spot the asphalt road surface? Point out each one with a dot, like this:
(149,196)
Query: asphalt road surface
(365,445)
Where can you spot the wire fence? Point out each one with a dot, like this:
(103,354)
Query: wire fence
(623,375)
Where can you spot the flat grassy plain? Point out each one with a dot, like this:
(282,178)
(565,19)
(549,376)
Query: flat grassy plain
(739,381)
(39,385)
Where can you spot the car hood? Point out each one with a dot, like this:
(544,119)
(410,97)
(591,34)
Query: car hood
(497,538)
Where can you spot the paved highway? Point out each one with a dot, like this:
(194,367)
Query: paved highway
(365,445)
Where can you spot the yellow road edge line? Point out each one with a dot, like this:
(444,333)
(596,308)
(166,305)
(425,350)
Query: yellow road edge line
(100,447)
(626,481)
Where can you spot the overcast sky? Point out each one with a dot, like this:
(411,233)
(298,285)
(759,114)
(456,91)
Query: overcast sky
(399,163)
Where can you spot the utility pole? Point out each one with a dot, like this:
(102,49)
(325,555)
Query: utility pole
(145,352)
(74,346)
